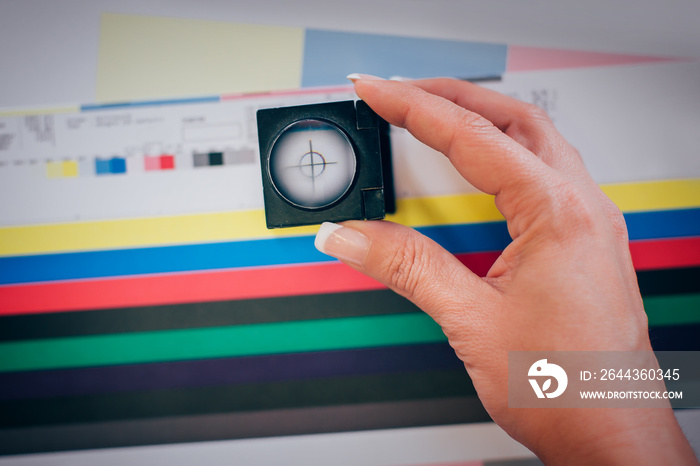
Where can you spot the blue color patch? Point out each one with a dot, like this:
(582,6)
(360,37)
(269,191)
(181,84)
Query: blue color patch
(117,165)
(102,167)
(110,166)
(330,56)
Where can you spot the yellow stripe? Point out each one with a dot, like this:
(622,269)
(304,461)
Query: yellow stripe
(38,111)
(655,195)
(202,228)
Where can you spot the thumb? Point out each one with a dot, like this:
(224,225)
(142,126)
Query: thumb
(409,263)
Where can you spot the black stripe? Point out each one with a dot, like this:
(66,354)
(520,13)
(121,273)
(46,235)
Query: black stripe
(227,426)
(669,281)
(675,337)
(206,314)
(247,397)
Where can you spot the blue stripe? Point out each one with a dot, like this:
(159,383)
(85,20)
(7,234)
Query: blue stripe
(278,251)
(148,103)
(663,224)
(465,238)
(329,56)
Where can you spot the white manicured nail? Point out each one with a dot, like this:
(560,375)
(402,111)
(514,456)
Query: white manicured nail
(358,76)
(342,243)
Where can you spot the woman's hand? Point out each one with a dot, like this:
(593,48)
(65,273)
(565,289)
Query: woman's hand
(566,282)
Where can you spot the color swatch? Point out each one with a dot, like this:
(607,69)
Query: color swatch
(159,162)
(140,55)
(63,169)
(329,56)
(225,157)
(112,166)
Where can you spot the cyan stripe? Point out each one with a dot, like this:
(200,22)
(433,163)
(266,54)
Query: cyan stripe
(148,103)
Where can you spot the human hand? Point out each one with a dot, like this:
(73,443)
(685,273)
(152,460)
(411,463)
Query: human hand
(566,282)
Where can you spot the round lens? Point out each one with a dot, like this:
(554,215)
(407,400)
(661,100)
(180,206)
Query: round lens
(312,164)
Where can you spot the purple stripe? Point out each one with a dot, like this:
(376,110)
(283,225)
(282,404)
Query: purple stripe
(228,371)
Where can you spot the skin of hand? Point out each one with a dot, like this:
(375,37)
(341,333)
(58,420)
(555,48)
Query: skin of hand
(566,282)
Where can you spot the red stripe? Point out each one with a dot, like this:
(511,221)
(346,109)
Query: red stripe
(264,282)
(182,288)
(665,253)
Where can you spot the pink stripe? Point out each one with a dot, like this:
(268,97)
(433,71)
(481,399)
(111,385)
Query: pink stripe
(306,91)
(460,463)
(535,58)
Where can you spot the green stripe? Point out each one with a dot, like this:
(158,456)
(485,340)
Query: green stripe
(673,309)
(216,342)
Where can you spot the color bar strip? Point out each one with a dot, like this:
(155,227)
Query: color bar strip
(148,103)
(182,288)
(665,253)
(217,342)
(255,253)
(269,338)
(37,111)
(669,281)
(458,239)
(264,310)
(673,309)
(305,279)
(217,227)
(256,369)
(521,58)
(683,337)
(227,371)
(204,314)
(345,88)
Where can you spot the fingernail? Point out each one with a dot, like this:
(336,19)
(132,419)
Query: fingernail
(357,76)
(342,243)
(401,79)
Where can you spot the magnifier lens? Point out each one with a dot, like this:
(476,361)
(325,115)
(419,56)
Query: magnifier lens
(312,164)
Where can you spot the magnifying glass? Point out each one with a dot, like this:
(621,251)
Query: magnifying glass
(312,164)
(325,162)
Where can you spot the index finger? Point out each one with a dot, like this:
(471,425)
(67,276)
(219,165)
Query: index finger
(526,123)
(486,157)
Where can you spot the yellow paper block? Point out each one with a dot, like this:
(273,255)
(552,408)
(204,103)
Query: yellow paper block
(230,226)
(54,170)
(143,57)
(70,168)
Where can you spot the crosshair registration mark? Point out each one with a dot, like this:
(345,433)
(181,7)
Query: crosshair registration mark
(312,164)
(299,164)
